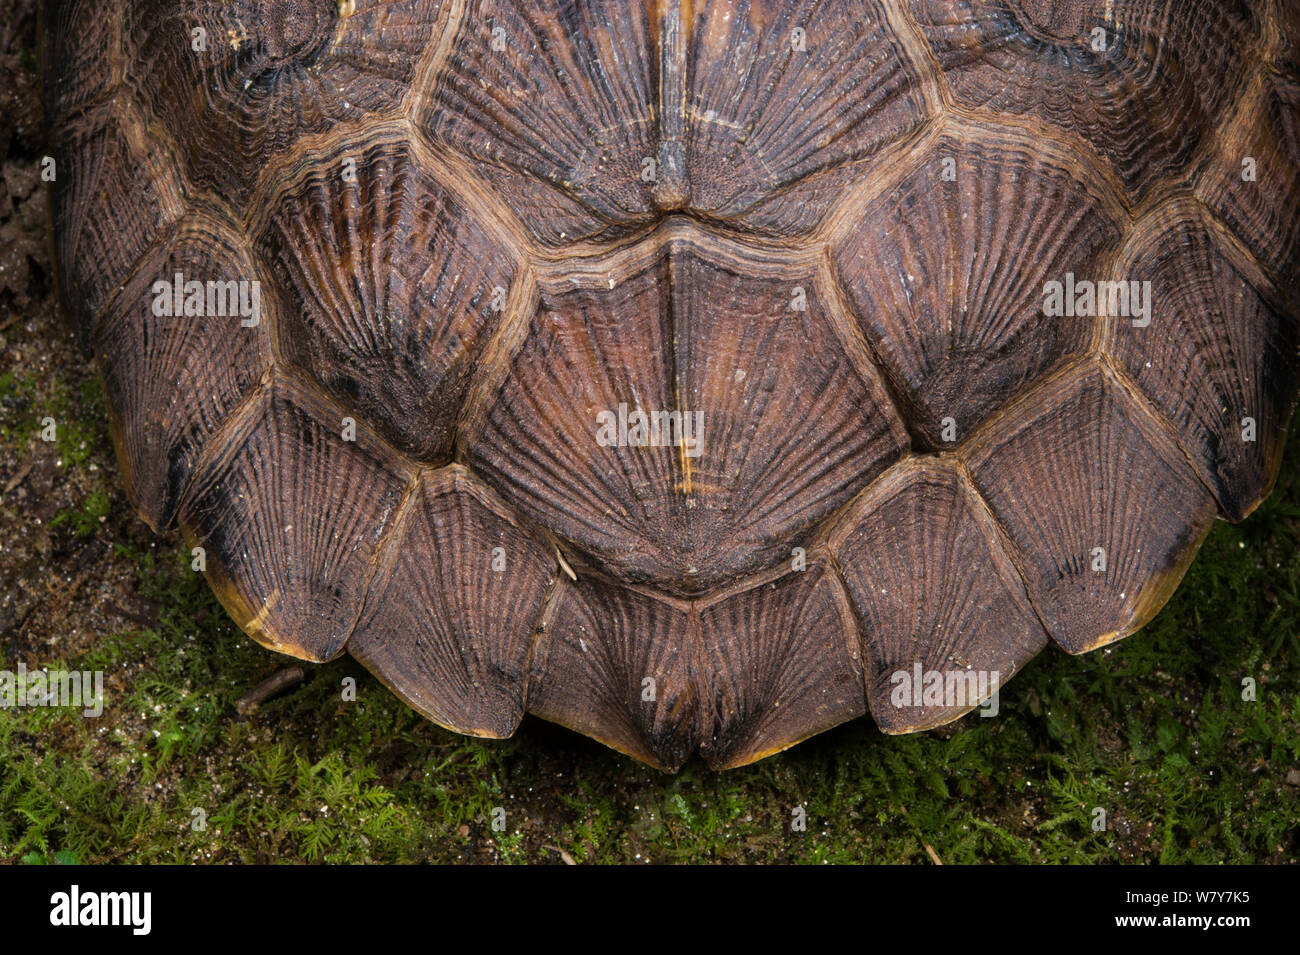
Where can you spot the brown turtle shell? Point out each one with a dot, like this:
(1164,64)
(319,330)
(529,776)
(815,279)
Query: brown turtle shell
(404,309)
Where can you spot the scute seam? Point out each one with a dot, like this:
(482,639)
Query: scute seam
(999,540)
(433,59)
(846,328)
(916,53)
(854,638)
(386,551)
(1147,408)
(490,372)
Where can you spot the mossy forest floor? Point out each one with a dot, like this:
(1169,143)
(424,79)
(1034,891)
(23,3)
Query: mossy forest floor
(1154,730)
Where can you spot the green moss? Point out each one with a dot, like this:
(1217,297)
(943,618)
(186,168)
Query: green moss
(28,403)
(85,520)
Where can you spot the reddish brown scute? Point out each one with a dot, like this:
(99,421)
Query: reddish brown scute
(487,235)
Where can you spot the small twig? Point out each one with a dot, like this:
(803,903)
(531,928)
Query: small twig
(934,856)
(18,478)
(125,614)
(272,686)
(564,856)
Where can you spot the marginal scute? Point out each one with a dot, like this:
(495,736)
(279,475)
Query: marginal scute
(776,123)
(1216,359)
(779,664)
(617,665)
(1253,181)
(749,362)
(103,220)
(944,617)
(290,514)
(392,287)
(448,623)
(555,104)
(269,72)
(1164,80)
(1103,511)
(166,396)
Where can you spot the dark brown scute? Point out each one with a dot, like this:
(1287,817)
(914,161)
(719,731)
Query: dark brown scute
(291,516)
(779,663)
(81,59)
(618,665)
(550,121)
(774,133)
(934,593)
(389,285)
(945,278)
(1084,468)
(683,334)
(1263,212)
(165,393)
(449,624)
(739,677)
(100,233)
(1146,102)
(270,74)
